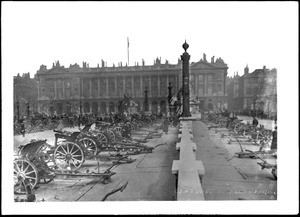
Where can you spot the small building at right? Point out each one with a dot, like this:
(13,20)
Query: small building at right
(254,93)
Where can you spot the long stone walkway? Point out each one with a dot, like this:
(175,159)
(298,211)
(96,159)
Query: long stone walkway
(237,179)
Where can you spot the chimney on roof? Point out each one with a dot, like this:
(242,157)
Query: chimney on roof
(143,62)
(102,63)
(204,57)
(213,59)
(246,70)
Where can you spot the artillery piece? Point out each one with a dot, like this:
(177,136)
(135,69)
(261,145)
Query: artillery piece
(35,164)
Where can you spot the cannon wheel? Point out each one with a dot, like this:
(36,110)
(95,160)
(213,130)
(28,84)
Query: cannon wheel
(237,127)
(68,155)
(111,135)
(89,145)
(119,130)
(101,138)
(24,170)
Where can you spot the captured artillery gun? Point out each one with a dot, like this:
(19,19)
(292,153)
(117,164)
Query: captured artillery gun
(35,164)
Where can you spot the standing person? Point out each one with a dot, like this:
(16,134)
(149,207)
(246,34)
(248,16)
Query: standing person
(22,127)
(274,140)
(166,125)
(255,121)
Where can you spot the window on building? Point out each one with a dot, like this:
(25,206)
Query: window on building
(201,90)
(219,88)
(209,89)
(249,90)
(200,78)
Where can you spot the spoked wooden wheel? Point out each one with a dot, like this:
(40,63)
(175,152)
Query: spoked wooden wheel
(119,130)
(111,135)
(89,145)
(238,127)
(101,138)
(24,172)
(68,155)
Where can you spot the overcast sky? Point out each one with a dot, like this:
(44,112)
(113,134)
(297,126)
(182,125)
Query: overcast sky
(253,33)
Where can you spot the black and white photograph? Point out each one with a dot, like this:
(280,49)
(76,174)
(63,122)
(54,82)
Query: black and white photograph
(151,107)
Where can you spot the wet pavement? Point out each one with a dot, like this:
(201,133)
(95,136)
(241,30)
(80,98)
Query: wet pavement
(236,179)
(149,177)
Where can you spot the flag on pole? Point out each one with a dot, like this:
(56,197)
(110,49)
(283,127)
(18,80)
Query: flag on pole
(128,50)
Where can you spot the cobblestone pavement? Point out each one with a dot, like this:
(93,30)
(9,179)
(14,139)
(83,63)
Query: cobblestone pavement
(149,177)
(236,179)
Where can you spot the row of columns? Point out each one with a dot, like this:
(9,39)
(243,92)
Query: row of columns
(83,109)
(142,85)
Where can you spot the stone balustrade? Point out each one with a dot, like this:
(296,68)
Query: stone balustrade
(188,170)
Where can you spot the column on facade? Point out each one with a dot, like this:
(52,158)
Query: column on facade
(141,87)
(81,88)
(98,87)
(150,89)
(64,92)
(116,88)
(91,87)
(196,84)
(132,86)
(158,86)
(107,87)
(167,84)
(124,88)
(213,83)
(205,84)
(55,94)
(39,83)
(224,84)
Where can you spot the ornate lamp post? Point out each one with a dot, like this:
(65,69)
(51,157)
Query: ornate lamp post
(185,57)
(28,112)
(146,99)
(170,96)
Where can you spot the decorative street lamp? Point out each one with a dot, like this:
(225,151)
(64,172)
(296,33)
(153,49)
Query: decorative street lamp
(28,112)
(170,96)
(185,57)
(146,99)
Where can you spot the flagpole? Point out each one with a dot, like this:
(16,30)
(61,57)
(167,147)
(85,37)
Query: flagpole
(128,50)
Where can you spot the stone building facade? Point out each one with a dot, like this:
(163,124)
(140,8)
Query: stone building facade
(254,91)
(99,89)
(25,91)
(260,90)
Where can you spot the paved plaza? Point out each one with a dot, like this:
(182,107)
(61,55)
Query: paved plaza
(149,177)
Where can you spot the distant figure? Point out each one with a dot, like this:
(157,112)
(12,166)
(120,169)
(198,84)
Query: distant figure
(274,140)
(126,131)
(22,127)
(255,121)
(60,125)
(166,125)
